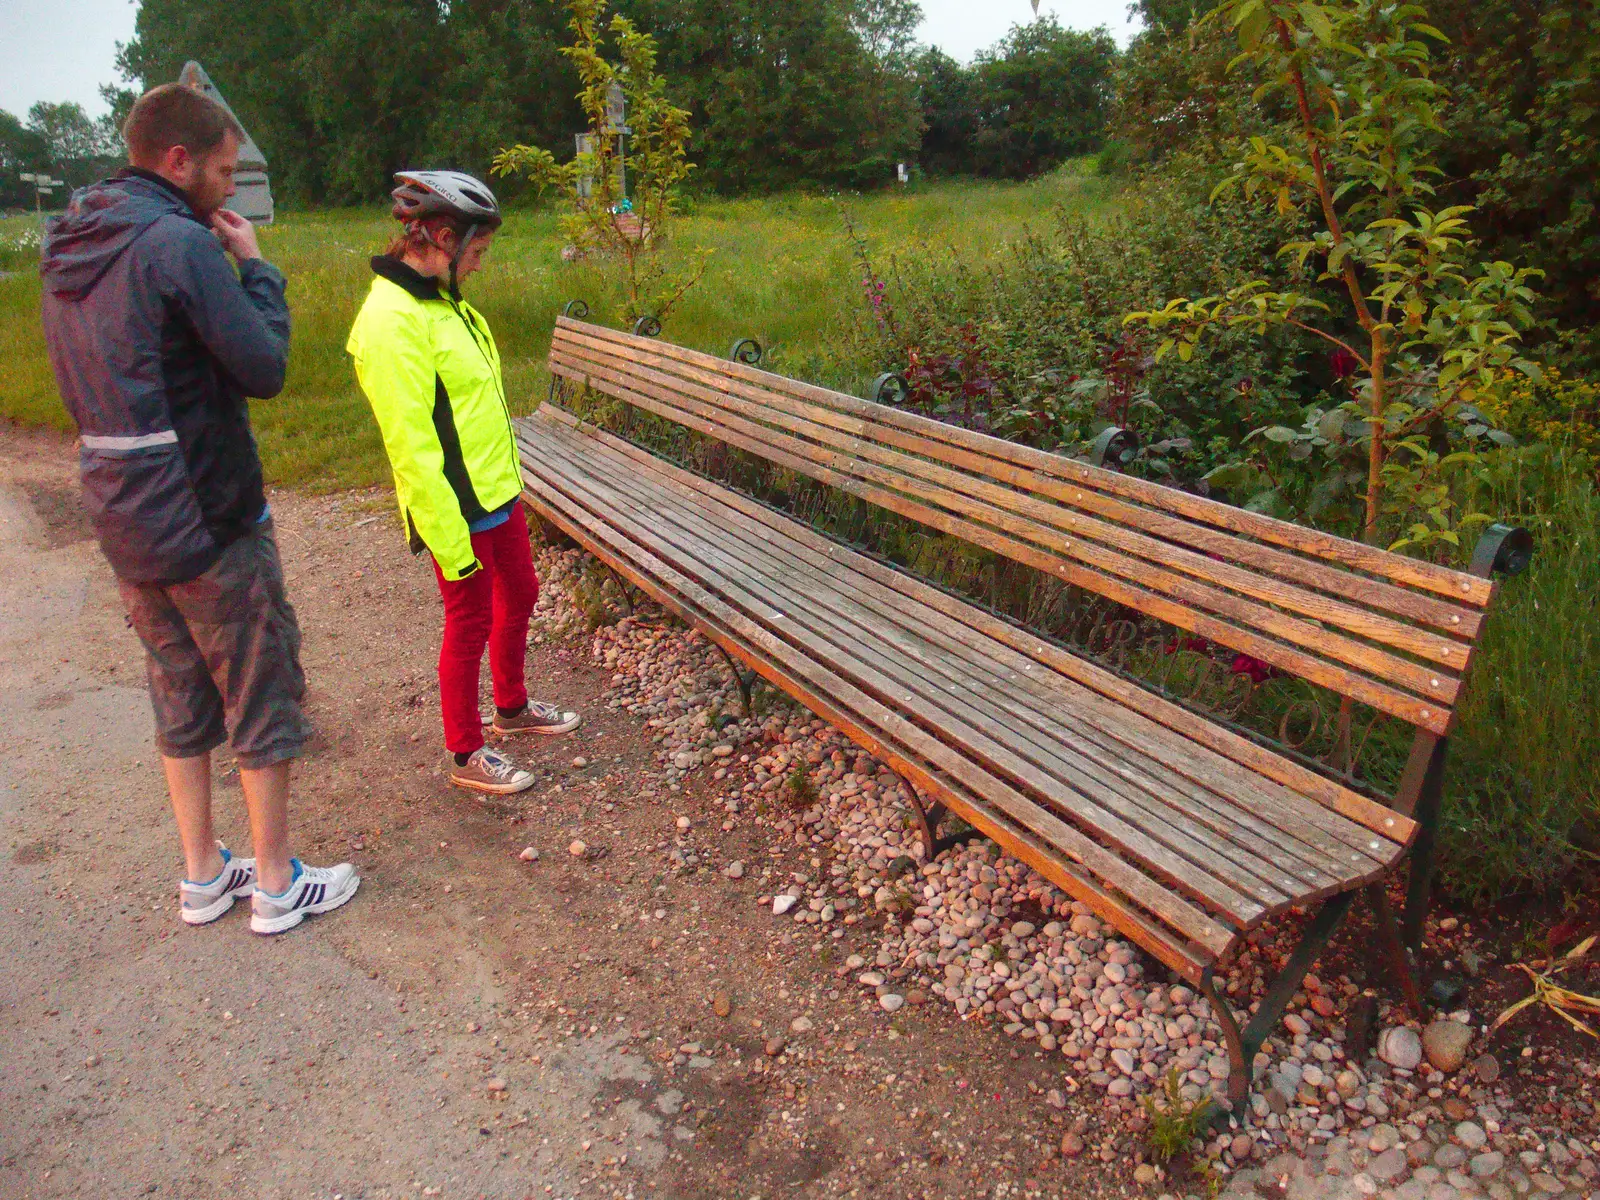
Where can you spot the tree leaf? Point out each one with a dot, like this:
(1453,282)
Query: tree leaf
(1317,21)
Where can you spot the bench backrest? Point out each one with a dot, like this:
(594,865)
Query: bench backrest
(1391,632)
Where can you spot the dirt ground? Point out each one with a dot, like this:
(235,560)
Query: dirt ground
(471,1025)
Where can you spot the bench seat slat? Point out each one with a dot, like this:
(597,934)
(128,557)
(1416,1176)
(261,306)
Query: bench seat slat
(1308,832)
(927,762)
(1428,714)
(1457,586)
(1216,550)
(1039,710)
(1180,858)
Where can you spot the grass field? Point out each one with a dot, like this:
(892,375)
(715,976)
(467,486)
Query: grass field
(781,272)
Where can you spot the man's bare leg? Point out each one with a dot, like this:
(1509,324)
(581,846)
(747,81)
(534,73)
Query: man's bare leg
(266,792)
(189,784)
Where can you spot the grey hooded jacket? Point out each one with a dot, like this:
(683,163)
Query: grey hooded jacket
(156,345)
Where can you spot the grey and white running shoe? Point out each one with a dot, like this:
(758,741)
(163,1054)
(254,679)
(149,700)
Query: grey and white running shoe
(488,771)
(311,890)
(202,903)
(538,718)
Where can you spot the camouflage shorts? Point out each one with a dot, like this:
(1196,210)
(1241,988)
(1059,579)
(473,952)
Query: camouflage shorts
(223,655)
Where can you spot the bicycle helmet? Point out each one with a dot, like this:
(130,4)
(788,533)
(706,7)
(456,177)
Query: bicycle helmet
(468,203)
(445,193)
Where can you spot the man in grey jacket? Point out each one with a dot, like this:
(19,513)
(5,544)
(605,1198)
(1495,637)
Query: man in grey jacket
(157,345)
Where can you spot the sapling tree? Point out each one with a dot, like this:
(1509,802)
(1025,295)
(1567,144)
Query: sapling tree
(1420,332)
(623,189)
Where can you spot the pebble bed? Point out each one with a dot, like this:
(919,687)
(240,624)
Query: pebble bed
(987,935)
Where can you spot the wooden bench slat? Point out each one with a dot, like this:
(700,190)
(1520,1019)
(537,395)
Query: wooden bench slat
(1456,585)
(1125,708)
(1029,699)
(1124,552)
(1428,714)
(1307,832)
(828,695)
(1376,595)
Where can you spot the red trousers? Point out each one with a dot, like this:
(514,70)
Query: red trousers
(489,607)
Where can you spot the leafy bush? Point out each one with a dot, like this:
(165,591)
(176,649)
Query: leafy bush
(1032,348)
(1556,409)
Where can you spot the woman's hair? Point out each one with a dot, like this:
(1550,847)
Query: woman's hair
(417,236)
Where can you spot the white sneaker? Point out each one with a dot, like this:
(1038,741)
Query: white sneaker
(488,771)
(202,903)
(311,890)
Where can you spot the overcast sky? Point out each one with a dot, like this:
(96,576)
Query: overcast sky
(64,49)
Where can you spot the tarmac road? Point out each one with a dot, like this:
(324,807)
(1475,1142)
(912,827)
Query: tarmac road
(145,1058)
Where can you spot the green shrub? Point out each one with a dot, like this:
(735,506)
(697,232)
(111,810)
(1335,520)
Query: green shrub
(1031,345)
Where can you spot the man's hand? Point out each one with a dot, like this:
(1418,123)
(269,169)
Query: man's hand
(237,235)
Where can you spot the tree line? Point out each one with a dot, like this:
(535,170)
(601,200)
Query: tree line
(61,140)
(798,93)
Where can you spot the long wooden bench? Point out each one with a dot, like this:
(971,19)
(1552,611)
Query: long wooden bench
(1182,832)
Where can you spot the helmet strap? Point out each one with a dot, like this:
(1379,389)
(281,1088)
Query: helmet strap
(455,259)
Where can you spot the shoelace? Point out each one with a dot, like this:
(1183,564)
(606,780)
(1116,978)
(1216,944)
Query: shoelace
(498,767)
(545,712)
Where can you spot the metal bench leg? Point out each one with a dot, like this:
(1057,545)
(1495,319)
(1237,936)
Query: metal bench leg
(622,587)
(1393,949)
(744,678)
(1420,887)
(1244,1045)
(1240,1063)
(929,817)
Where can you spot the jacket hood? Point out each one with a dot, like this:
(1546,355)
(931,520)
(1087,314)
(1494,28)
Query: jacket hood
(101,222)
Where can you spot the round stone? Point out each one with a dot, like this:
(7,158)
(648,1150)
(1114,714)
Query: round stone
(1449,1157)
(891,1002)
(577,848)
(782,904)
(1400,1047)
(1471,1135)
(1487,1164)
(1389,1168)
(1445,1043)
(1487,1067)
(1022,929)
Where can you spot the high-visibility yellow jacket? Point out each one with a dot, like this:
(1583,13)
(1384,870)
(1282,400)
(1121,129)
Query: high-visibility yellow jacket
(429,367)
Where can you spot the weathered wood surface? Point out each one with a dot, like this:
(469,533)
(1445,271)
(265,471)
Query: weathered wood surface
(1394,646)
(1182,833)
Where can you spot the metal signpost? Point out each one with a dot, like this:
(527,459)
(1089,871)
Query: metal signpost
(43,186)
(616,111)
(253,199)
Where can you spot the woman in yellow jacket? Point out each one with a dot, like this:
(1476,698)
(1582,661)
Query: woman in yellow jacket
(429,367)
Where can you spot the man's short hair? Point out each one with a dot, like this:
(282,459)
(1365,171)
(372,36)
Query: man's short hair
(175,115)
